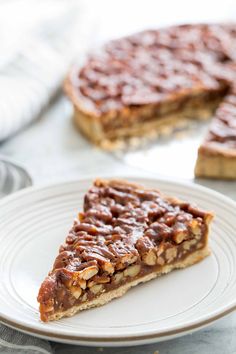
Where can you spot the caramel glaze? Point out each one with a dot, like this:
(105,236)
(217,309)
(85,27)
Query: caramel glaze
(120,224)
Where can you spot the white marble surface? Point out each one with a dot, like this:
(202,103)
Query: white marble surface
(52,150)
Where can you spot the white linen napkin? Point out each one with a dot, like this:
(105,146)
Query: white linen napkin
(38,41)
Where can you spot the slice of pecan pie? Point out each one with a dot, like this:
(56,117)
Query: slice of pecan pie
(126,235)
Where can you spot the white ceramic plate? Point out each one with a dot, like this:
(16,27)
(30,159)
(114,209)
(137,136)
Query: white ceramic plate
(34,223)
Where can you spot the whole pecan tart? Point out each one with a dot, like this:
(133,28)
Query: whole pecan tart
(126,235)
(141,84)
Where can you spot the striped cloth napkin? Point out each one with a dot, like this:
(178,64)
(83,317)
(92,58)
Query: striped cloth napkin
(38,41)
(14,342)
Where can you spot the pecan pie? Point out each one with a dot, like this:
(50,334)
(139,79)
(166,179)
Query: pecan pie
(217,154)
(126,235)
(149,81)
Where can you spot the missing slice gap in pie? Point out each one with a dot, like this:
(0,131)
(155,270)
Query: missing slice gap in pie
(126,235)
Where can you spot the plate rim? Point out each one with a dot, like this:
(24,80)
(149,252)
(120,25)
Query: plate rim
(131,340)
(115,340)
(135,177)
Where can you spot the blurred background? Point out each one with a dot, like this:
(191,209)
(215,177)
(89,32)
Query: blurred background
(38,42)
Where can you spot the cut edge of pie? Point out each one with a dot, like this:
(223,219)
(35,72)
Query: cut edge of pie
(199,105)
(104,298)
(179,245)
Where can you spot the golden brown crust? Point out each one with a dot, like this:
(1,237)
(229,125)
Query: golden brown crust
(216,164)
